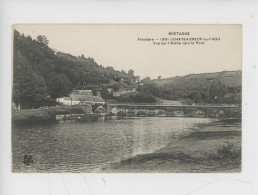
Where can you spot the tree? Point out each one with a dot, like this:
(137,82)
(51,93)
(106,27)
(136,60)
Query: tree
(196,97)
(151,89)
(29,88)
(123,72)
(131,72)
(216,92)
(116,86)
(146,80)
(43,40)
(137,79)
(117,78)
(104,93)
(59,85)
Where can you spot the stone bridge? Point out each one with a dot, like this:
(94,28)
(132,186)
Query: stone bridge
(172,110)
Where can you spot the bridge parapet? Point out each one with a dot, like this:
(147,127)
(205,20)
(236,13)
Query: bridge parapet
(171,110)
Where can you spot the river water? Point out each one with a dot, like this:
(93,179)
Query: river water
(70,146)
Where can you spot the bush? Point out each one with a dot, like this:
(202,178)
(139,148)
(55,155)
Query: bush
(125,99)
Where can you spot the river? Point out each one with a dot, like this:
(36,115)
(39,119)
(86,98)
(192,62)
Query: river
(70,146)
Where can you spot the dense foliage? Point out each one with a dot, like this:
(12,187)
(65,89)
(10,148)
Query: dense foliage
(213,93)
(40,74)
(138,97)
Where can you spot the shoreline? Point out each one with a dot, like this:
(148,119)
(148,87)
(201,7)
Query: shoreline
(42,116)
(212,147)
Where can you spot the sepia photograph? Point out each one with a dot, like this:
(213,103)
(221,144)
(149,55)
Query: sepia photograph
(126,98)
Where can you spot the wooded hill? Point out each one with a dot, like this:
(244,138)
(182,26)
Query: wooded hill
(40,74)
(220,87)
(227,78)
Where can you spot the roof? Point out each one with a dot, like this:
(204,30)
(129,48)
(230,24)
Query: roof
(82,92)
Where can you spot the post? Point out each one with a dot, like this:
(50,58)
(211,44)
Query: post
(108,108)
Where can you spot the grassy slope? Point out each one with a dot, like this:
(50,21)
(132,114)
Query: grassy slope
(197,80)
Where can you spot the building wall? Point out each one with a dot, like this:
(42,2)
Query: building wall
(123,92)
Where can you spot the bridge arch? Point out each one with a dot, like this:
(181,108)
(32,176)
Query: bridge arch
(196,113)
(130,113)
(121,113)
(161,113)
(151,114)
(141,113)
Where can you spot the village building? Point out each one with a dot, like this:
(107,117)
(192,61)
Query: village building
(120,91)
(80,97)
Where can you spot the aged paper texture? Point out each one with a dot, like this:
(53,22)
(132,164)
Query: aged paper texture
(127,98)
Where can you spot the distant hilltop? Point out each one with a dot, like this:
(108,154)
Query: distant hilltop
(228,78)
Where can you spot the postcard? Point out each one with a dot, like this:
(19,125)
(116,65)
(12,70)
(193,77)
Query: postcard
(127,98)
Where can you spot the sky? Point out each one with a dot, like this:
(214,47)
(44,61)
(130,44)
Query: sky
(119,46)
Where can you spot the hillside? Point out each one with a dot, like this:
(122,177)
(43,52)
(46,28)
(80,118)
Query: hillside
(228,78)
(40,74)
(220,87)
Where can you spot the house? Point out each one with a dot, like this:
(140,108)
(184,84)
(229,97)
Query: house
(88,100)
(65,101)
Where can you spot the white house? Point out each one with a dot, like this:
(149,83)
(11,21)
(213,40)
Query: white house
(81,97)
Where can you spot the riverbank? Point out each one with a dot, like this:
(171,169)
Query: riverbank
(23,117)
(213,147)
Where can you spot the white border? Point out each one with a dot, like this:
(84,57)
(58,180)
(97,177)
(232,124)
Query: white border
(174,12)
